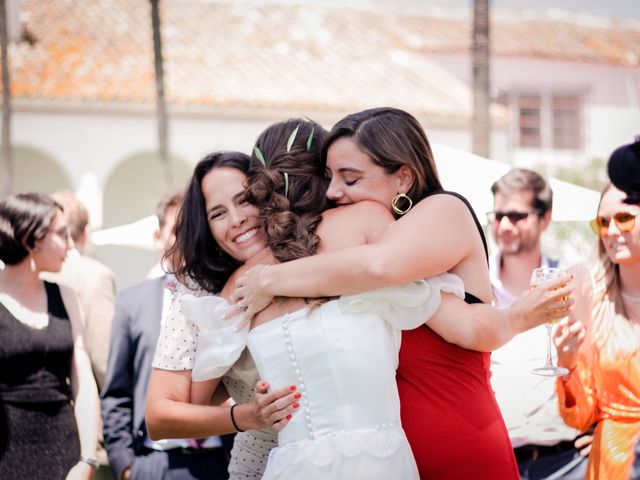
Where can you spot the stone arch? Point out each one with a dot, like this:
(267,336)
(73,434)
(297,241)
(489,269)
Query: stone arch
(135,185)
(37,171)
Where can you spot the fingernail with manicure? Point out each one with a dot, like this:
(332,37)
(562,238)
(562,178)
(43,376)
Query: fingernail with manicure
(296,405)
(292,388)
(297,395)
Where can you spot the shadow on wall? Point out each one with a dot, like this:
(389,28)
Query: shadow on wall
(135,185)
(36,171)
(130,194)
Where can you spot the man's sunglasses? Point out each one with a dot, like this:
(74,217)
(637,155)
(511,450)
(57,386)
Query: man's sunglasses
(513,216)
(625,222)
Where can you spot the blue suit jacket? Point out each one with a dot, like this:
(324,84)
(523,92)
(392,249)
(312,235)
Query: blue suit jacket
(134,334)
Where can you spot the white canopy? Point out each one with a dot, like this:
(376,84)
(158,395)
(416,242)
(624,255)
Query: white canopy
(472,176)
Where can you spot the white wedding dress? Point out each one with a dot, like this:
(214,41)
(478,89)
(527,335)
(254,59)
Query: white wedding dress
(342,355)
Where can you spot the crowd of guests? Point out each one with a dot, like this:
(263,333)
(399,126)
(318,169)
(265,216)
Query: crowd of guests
(286,338)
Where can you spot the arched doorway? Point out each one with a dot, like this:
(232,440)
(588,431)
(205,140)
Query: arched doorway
(130,194)
(37,171)
(135,185)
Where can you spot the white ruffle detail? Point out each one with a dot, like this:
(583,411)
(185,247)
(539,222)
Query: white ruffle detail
(219,342)
(379,442)
(405,306)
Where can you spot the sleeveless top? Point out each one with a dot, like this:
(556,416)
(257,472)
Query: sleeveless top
(35,363)
(448,407)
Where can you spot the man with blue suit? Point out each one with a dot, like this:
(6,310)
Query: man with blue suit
(135,330)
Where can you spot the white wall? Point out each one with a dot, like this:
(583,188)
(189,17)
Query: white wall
(612,95)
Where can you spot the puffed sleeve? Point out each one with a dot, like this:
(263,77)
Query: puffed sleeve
(405,306)
(220,340)
(178,335)
(577,401)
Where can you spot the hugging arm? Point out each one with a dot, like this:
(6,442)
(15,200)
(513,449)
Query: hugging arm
(171,415)
(485,328)
(411,249)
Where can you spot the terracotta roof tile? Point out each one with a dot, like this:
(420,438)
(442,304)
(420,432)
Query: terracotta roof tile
(304,57)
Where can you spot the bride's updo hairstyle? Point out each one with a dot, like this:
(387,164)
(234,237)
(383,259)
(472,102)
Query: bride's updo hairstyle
(287,182)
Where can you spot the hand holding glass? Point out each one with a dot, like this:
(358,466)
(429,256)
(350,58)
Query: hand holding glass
(541,275)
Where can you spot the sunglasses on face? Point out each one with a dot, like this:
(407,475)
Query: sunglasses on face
(625,222)
(513,216)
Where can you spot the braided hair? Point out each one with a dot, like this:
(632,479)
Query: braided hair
(287,183)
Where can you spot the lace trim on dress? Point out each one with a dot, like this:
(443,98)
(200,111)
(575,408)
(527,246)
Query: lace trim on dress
(381,442)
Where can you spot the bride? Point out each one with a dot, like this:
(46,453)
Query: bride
(341,354)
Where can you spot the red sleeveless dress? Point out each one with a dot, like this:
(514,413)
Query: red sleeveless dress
(449,411)
(448,408)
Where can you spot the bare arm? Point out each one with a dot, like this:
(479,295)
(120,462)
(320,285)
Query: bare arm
(415,247)
(83,389)
(423,243)
(485,328)
(202,392)
(170,415)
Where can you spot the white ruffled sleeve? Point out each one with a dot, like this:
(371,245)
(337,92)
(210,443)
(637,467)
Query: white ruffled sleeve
(219,343)
(405,306)
(178,335)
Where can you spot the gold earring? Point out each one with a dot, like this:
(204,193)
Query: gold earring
(396,199)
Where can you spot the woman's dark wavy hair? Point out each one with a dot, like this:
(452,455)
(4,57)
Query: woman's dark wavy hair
(195,255)
(391,138)
(290,209)
(25,219)
(624,170)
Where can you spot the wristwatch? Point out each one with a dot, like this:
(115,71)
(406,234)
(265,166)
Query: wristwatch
(91,461)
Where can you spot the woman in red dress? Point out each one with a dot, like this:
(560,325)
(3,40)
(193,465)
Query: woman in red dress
(449,411)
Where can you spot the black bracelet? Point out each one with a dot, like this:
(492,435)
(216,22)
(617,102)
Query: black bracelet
(91,461)
(233,420)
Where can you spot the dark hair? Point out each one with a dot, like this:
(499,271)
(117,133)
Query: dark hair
(195,254)
(290,187)
(391,138)
(624,170)
(24,220)
(75,212)
(521,179)
(168,201)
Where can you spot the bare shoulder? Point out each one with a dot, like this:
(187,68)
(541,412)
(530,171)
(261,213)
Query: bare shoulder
(441,209)
(444,201)
(355,211)
(362,222)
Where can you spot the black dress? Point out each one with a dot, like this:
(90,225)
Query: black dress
(38,431)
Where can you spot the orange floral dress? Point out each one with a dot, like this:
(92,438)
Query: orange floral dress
(605,388)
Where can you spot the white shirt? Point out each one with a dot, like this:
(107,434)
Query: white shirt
(528,402)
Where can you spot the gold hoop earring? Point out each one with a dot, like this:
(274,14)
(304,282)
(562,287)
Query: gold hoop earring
(396,199)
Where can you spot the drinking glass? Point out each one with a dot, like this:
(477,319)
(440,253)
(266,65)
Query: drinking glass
(541,275)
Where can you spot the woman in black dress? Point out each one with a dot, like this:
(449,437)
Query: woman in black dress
(48,397)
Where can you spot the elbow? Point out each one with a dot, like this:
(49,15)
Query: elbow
(378,270)
(154,421)
(151,424)
(475,338)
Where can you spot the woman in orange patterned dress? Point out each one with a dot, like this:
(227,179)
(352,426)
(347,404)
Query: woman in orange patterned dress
(603,356)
